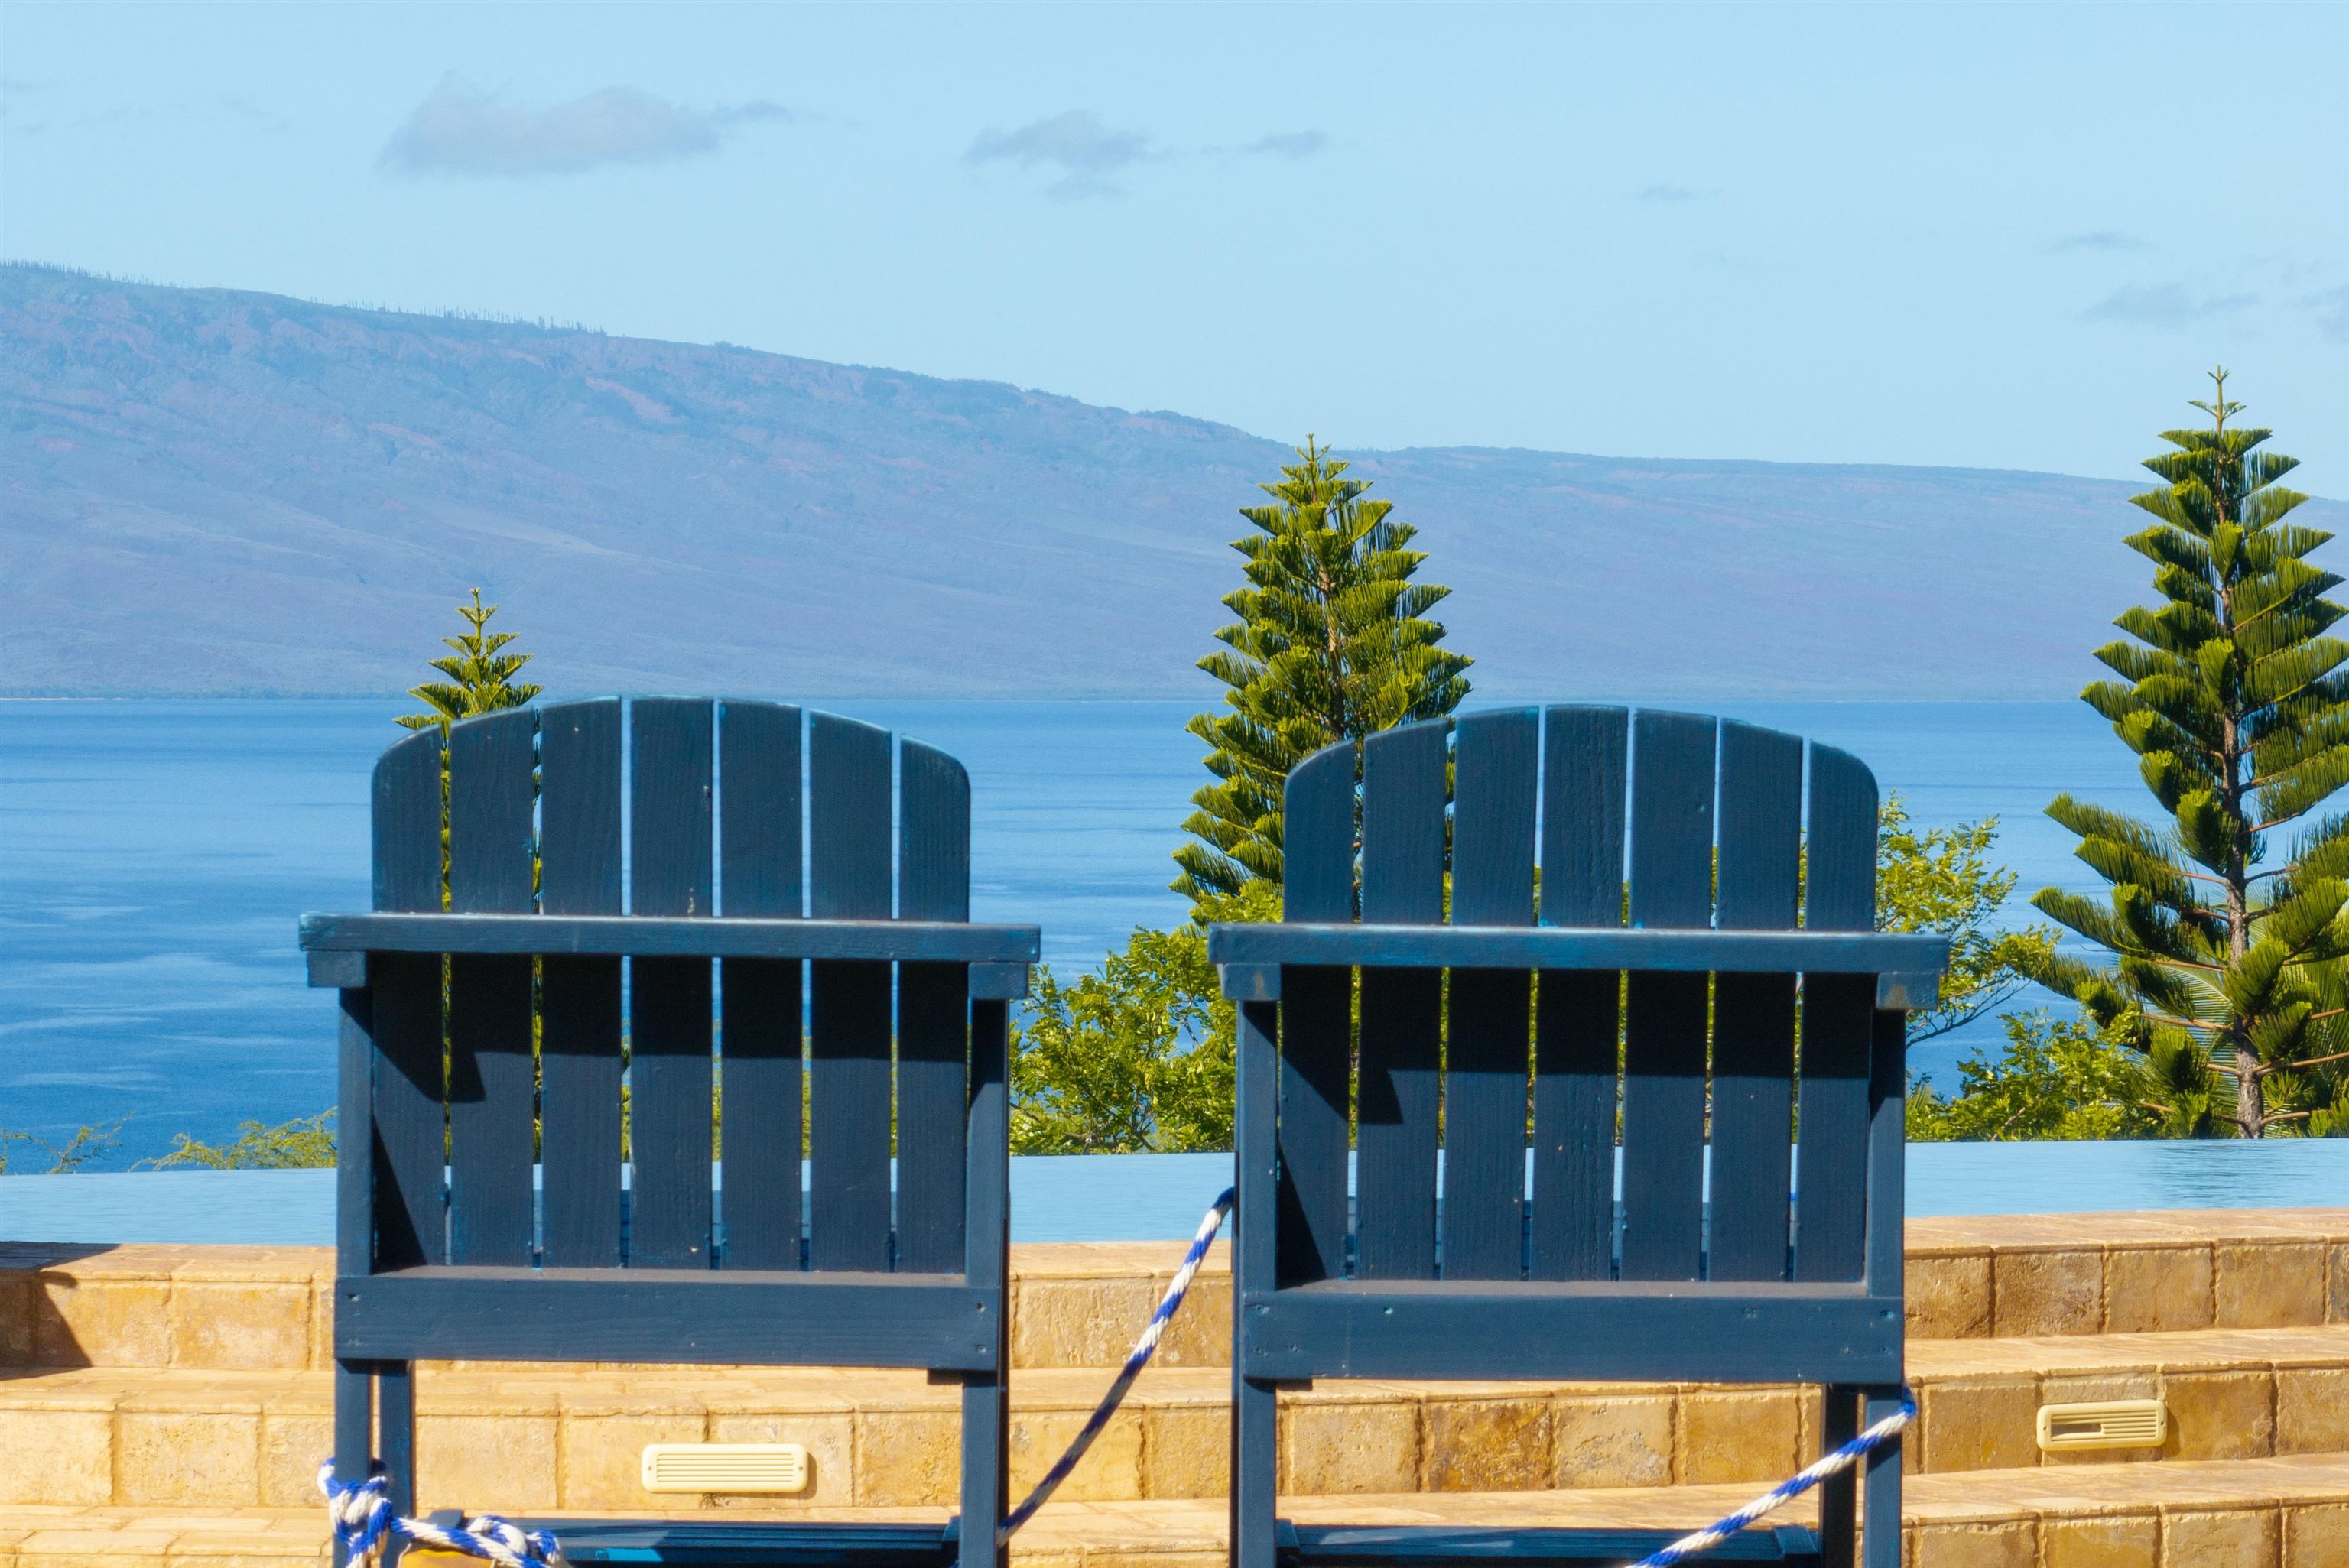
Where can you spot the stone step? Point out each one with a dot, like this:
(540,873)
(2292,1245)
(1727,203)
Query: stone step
(2231,1394)
(2002,1275)
(239,1308)
(535,1437)
(1081,1303)
(2288,1513)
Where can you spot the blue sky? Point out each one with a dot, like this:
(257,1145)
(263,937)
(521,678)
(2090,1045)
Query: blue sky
(2002,235)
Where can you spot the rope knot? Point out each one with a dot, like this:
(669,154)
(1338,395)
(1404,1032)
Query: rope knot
(362,1517)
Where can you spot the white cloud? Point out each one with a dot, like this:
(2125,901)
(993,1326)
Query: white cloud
(460,129)
(1287,144)
(2164,305)
(2098,240)
(1077,143)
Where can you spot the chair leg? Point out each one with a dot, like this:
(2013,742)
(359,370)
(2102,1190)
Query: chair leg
(985,1446)
(1880,1533)
(396,1428)
(1256,1472)
(1839,1424)
(354,1421)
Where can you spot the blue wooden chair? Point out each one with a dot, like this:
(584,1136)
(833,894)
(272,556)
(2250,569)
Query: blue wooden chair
(1741,934)
(454,1255)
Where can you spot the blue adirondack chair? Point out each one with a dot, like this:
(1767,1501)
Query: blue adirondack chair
(449,1256)
(1735,968)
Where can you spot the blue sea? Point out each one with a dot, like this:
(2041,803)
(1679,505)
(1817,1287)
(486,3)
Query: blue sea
(154,856)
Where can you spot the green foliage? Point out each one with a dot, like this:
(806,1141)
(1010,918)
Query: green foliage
(87,1143)
(482,673)
(1941,880)
(1138,1058)
(2056,1080)
(2227,978)
(481,676)
(1332,643)
(305,1143)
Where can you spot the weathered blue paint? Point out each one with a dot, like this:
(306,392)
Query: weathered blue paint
(1694,832)
(457,1255)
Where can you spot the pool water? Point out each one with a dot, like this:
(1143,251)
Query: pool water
(1155,1197)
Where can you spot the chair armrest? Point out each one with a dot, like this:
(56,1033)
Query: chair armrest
(1248,956)
(991,950)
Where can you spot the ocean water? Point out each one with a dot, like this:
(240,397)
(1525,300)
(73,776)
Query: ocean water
(154,856)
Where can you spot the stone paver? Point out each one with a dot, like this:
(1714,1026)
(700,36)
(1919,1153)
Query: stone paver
(2261,1513)
(569,1437)
(1976,1277)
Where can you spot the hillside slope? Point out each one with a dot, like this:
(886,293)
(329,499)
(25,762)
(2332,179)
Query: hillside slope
(210,491)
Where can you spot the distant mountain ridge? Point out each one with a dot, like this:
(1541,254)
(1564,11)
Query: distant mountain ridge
(214,492)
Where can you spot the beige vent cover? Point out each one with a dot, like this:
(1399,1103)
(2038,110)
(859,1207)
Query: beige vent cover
(726,1467)
(2104,1424)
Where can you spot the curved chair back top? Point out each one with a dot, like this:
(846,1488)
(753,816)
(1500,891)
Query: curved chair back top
(1588,817)
(671,808)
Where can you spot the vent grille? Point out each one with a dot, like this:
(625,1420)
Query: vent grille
(2104,1424)
(766,1467)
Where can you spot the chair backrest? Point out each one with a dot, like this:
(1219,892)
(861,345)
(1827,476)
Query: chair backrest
(1660,819)
(670,807)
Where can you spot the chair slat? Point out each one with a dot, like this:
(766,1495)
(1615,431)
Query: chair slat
(410,1081)
(759,873)
(1584,774)
(492,1087)
(1317,852)
(1664,1046)
(1498,780)
(1403,825)
(848,860)
(407,818)
(1400,1091)
(1672,820)
(1490,1037)
(579,998)
(1839,1019)
(1315,1012)
(933,1013)
(1578,1014)
(669,872)
(759,855)
(1754,1015)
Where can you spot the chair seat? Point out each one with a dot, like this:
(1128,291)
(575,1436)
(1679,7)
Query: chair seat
(720,1316)
(1605,1331)
(702,1544)
(1434,1546)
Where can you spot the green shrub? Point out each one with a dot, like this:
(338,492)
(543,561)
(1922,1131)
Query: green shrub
(1137,1057)
(2057,1080)
(306,1142)
(87,1143)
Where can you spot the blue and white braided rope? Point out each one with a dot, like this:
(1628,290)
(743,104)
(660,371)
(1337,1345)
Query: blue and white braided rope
(362,1516)
(1136,1360)
(1842,1459)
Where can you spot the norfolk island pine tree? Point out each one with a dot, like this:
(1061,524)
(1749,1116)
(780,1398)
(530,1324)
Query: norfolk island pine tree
(480,674)
(1332,644)
(2227,971)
